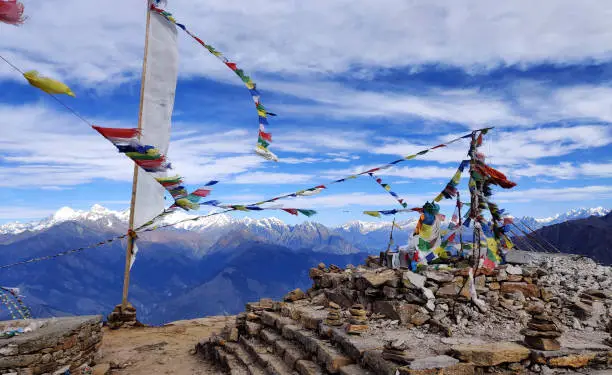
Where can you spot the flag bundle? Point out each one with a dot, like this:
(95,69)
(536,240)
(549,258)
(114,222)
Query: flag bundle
(11,12)
(264,138)
(48,85)
(151,160)
(145,156)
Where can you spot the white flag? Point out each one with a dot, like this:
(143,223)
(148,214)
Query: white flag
(158,102)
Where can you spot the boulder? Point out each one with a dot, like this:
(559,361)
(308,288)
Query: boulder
(378,279)
(449,290)
(542,343)
(295,295)
(573,361)
(441,277)
(528,290)
(491,354)
(514,270)
(413,280)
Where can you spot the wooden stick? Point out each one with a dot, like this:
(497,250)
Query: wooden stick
(130,244)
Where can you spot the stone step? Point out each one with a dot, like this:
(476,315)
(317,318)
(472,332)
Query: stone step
(305,331)
(290,352)
(229,362)
(245,359)
(305,367)
(264,355)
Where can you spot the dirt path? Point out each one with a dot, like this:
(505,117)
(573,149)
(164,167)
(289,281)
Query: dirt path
(160,350)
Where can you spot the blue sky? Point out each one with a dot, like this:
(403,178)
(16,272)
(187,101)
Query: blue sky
(354,85)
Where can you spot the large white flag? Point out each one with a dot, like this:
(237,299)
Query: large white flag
(158,102)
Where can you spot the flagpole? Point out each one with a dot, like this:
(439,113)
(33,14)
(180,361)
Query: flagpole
(130,243)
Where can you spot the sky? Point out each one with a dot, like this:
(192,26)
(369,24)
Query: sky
(355,85)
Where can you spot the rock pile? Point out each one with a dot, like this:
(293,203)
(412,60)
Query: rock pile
(333,315)
(120,318)
(395,350)
(358,322)
(541,333)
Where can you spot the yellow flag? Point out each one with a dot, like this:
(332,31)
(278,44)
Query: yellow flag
(47,85)
(372,213)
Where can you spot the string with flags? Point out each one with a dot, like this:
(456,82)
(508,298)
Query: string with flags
(264,138)
(387,188)
(319,188)
(151,160)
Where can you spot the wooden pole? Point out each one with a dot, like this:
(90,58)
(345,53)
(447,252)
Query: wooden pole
(130,243)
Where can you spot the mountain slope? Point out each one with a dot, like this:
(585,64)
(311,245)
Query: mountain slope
(591,237)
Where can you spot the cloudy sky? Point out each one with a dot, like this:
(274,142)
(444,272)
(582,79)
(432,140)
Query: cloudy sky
(355,85)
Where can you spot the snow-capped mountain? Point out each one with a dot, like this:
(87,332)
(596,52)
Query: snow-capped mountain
(351,237)
(97,214)
(531,223)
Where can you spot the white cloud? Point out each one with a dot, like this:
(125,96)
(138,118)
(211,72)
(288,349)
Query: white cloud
(270,178)
(41,147)
(562,194)
(106,44)
(565,170)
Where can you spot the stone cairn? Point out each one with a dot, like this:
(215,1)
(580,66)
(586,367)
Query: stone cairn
(123,319)
(333,315)
(358,322)
(541,333)
(609,339)
(396,351)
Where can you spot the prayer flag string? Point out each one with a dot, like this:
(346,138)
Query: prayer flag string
(151,160)
(387,188)
(264,138)
(317,189)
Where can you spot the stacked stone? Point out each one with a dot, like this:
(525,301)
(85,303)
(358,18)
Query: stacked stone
(541,333)
(333,315)
(396,351)
(358,322)
(123,318)
(609,339)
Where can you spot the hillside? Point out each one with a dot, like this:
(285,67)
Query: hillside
(591,237)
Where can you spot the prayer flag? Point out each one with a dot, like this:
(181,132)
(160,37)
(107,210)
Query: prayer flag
(48,85)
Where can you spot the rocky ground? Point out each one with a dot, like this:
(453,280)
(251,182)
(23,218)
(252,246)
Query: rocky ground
(551,315)
(158,350)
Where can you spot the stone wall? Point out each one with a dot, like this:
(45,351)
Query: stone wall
(57,345)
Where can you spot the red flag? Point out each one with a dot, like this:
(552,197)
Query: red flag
(11,12)
(488,263)
(320,187)
(201,192)
(231,65)
(292,211)
(508,220)
(266,136)
(117,132)
(439,146)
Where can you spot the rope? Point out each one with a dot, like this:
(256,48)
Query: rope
(83,119)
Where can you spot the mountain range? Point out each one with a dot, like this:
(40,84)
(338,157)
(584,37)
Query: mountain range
(193,269)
